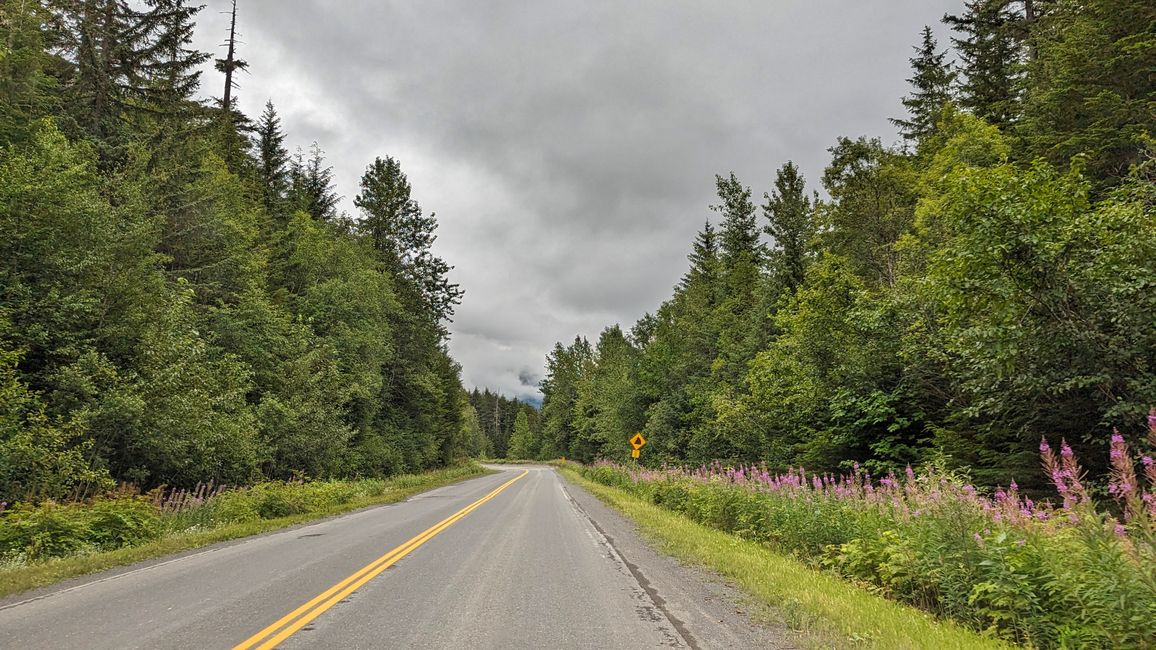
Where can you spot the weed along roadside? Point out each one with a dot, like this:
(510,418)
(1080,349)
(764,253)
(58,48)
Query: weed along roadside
(826,611)
(52,542)
(1002,565)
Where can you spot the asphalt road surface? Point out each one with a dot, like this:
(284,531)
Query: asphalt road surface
(517,559)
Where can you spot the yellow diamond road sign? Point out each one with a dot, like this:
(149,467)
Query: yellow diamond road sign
(637,441)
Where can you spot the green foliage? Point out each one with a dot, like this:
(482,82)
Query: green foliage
(1090,91)
(402,236)
(1045,311)
(566,368)
(52,530)
(522,443)
(873,197)
(607,410)
(990,45)
(32,534)
(931,87)
(496,416)
(1043,583)
(39,458)
(177,309)
(948,304)
(791,222)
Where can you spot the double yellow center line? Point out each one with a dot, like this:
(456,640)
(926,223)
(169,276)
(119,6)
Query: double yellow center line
(303,615)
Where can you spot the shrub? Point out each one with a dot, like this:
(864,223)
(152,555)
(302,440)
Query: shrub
(1075,574)
(52,530)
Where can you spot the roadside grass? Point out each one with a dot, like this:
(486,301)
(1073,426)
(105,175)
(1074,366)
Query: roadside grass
(829,612)
(17,575)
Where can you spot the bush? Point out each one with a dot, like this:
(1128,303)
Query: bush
(1072,575)
(52,530)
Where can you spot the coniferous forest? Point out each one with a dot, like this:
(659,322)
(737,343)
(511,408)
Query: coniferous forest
(180,299)
(949,299)
(834,395)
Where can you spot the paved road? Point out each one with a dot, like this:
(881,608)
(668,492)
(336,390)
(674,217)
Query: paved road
(517,559)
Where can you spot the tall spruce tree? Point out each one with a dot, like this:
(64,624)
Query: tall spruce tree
(790,221)
(311,185)
(171,67)
(272,162)
(704,259)
(931,83)
(991,51)
(738,232)
(399,231)
(127,63)
(230,64)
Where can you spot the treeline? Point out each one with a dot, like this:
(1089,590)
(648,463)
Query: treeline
(506,426)
(179,298)
(990,280)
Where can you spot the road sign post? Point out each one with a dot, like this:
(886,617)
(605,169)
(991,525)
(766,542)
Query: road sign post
(637,442)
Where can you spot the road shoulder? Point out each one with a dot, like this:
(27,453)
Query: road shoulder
(706,609)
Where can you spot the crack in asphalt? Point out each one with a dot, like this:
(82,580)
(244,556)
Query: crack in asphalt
(645,584)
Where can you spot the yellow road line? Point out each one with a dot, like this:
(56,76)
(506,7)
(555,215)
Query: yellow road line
(300,617)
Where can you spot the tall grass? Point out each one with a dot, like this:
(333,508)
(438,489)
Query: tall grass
(123,518)
(1074,573)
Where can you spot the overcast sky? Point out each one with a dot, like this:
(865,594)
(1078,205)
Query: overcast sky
(569,148)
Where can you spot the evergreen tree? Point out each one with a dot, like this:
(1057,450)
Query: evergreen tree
(273,169)
(738,232)
(311,185)
(565,367)
(790,222)
(704,260)
(128,64)
(931,82)
(171,65)
(403,236)
(27,91)
(1090,88)
(991,51)
(522,441)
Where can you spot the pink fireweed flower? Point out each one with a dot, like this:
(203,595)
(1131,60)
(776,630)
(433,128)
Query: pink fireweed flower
(1044,448)
(1066,451)
(1117,448)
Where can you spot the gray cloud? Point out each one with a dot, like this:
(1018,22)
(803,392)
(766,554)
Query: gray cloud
(569,149)
(529,378)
